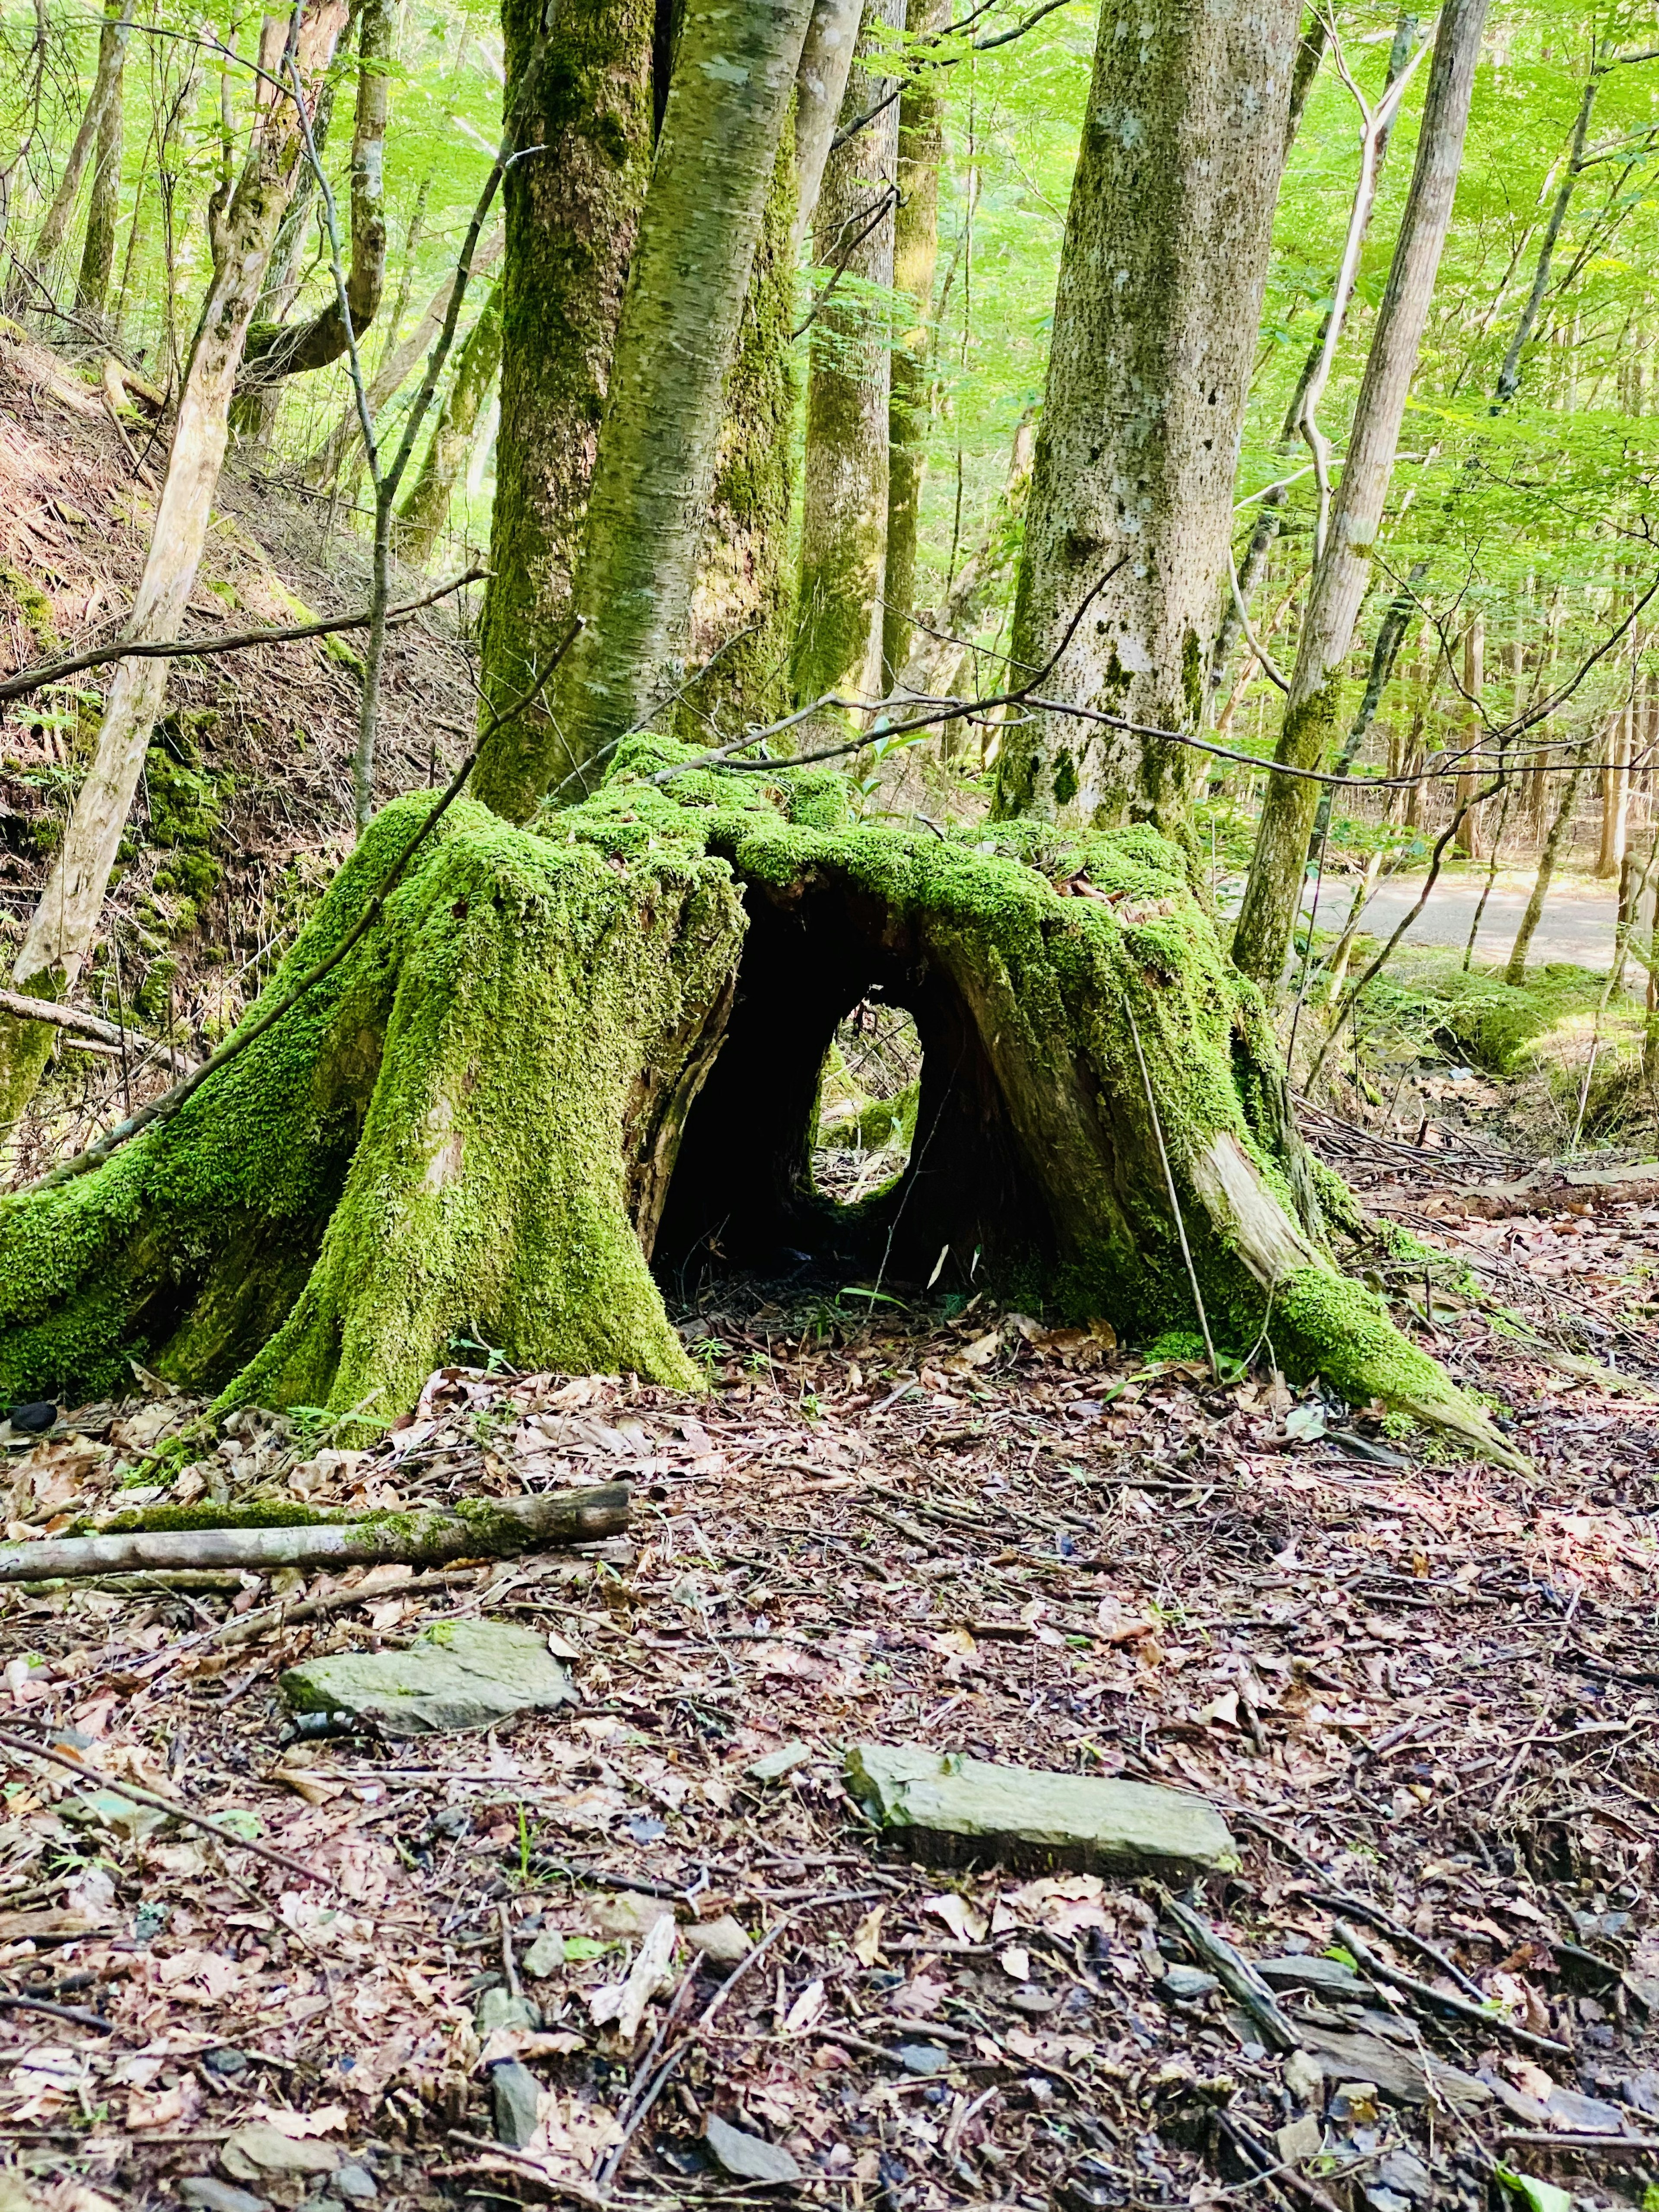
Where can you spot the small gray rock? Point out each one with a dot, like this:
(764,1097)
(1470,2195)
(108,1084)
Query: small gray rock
(961,1807)
(544,1954)
(922,2057)
(1380,2199)
(214,2196)
(777,1764)
(1328,1976)
(1405,2173)
(516,2095)
(355,2184)
(1029,1999)
(751,2158)
(499,2008)
(1187,1984)
(1584,2116)
(457,1674)
(723,1943)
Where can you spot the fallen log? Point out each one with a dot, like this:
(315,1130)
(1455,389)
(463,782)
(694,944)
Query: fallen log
(474,1529)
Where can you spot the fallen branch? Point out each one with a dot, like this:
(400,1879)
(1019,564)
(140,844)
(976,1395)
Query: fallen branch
(1409,1985)
(241,640)
(1235,1974)
(140,1795)
(63,1017)
(476,1529)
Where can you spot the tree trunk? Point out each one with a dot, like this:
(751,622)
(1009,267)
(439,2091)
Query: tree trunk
(103,209)
(742,603)
(916,250)
(394,372)
(1468,841)
(1170,217)
(105,92)
(1343,570)
(1615,795)
(843,561)
(426,510)
(1560,831)
(573,216)
(61,933)
(734,78)
(279,350)
(552,1057)
(826,59)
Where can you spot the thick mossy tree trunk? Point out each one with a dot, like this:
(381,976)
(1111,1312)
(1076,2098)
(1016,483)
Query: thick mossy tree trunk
(843,554)
(1161,280)
(573,216)
(426,510)
(557,1057)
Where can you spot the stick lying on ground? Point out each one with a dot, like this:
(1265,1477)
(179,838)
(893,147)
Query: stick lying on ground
(476,1529)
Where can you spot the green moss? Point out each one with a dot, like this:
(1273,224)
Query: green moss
(36,608)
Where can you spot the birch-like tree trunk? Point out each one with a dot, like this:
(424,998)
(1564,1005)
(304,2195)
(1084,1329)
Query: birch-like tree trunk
(915,252)
(1343,571)
(103,206)
(845,477)
(426,510)
(572,217)
(65,923)
(734,78)
(832,37)
(105,92)
(1468,839)
(1160,280)
(1560,832)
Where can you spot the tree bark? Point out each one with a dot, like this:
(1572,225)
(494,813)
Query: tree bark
(734,77)
(845,475)
(103,209)
(1468,839)
(1615,794)
(1262,939)
(105,92)
(61,932)
(426,510)
(915,251)
(1560,831)
(496,1528)
(743,603)
(826,59)
(572,217)
(1171,215)
(394,372)
(280,350)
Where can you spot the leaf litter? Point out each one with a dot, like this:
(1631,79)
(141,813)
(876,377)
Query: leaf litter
(648,1950)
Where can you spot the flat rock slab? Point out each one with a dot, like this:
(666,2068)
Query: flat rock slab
(1400,2076)
(960,1808)
(456,1675)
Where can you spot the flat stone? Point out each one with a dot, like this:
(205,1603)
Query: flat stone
(516,2096)
(544,1954)
(456,1675)
(777,1764)
(355,2184)
(751,2158)
(958,1808)
(1405,2173)
(1302,2140)
(1328,1976)
(252,2153)
(1185,1985)
(722,1942)
(1399,2075)
(1583,2116)
(499,2008)
(212,2195)
(922,2057)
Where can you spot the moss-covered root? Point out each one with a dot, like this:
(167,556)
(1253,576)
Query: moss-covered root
(547,1003)
(495,1528)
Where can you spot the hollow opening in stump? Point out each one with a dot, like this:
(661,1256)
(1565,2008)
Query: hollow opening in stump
(756,1189)
(868,1089)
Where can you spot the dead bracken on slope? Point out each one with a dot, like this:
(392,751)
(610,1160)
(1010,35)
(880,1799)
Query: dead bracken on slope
(1421,1695)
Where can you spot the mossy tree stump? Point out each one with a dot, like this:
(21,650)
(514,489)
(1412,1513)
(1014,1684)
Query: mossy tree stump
(570,1050)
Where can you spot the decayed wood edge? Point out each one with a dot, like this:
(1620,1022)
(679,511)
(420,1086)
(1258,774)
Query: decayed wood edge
(423,1536)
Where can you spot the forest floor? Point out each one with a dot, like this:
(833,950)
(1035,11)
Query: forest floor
(1422,1694)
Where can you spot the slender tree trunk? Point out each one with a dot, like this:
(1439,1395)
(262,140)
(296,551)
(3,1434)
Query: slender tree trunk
(827,56)
(254,410)
(1560,829)
(103,209)
(105,92)
(845,481)
(915,251)
(401,362)
(1263,936)
(742,603)
(426,510)
(1615,796)
(572,217)
(276,351)
(1131,502)
(734,78)
(62,930)
(1467,843)
(940,662)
